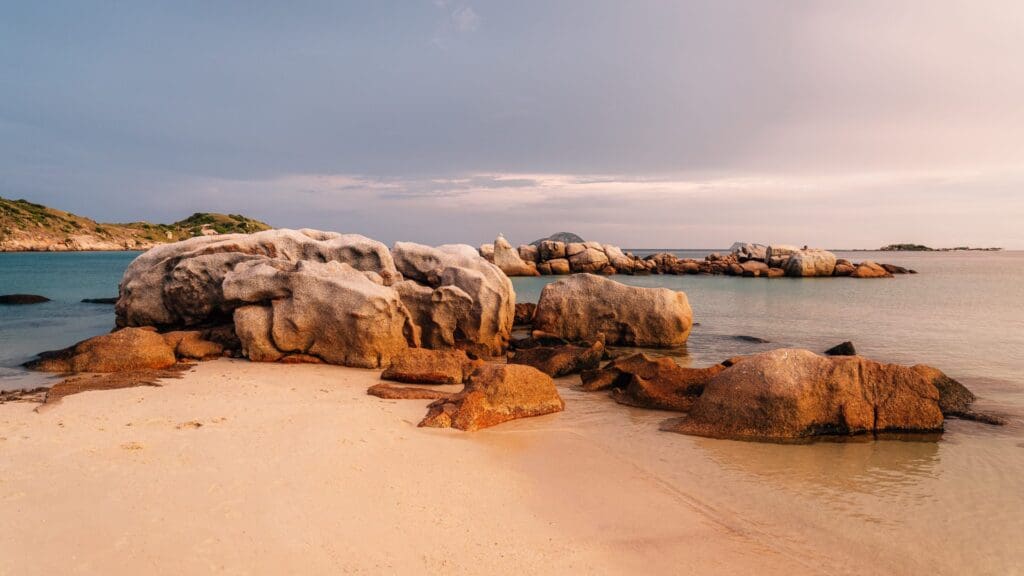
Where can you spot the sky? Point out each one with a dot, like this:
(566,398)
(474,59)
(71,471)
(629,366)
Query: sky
(841,124)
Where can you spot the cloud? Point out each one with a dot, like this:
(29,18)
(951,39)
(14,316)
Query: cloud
(465,19)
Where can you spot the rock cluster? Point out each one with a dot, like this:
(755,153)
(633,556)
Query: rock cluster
(554,257)
(307,295)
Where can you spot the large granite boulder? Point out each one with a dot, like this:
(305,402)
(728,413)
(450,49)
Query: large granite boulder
(327,310)
(473,300)
(588,259)
(450,296)
(584,306)
(507,258)
(496,393)
(180,284)
(810,262)
(128,349)
(791,394)
(745,251)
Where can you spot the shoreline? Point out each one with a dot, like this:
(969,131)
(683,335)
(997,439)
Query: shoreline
(268,468)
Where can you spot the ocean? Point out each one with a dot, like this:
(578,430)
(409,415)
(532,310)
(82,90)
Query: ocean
(955,505)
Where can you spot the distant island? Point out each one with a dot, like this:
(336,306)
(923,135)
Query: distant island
(923,248)
(29,227)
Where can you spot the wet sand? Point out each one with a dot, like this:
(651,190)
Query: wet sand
(244,468)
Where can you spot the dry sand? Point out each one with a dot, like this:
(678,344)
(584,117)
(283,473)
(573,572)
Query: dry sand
(244,468)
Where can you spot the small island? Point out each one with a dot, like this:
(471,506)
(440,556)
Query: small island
(923,248)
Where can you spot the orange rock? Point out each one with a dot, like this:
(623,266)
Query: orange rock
(121,351)
(496,393)
(424,366)
(392,392)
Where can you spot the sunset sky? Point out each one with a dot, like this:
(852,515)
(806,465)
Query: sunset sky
(645,124)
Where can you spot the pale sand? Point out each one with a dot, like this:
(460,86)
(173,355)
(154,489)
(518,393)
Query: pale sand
(245,468)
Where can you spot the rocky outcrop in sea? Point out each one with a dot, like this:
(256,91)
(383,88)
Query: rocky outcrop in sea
(556,257)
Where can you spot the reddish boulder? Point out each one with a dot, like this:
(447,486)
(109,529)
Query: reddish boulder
(496,393)
(392,392)
(121,351)
(792,394)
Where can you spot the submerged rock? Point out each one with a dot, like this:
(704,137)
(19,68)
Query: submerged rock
(99,300)
(423,366)
(583,306)
(21,299)
(791,394)
(496,393)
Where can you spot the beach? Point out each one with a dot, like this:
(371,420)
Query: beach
(245,468)
(250,468)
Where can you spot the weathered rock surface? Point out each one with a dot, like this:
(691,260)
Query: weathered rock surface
(423,366)
(557,361)
(328,310)
(496,393)
(507,258)
(810,263)
(662,388)
(583,306)
(791,394)
(474,301)
(954,398)
(20,299)
(180,284)
(391,392)
(336,297)
(125,350)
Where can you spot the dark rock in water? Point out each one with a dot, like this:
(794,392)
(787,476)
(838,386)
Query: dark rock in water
(524,313)
(392,392)
(561,360)
(18,299)
(753,339)
(566,237)
(99,300)
(844,349)
(660,379)
(894,269)
(677,393)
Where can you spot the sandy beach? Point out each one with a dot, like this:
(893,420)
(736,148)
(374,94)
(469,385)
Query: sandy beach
(244,468)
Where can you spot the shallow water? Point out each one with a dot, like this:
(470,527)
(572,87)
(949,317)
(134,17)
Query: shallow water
(951,506)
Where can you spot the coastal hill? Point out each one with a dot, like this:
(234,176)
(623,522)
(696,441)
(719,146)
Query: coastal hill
(29,227)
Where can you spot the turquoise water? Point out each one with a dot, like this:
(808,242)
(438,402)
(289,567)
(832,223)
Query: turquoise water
(66,278)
